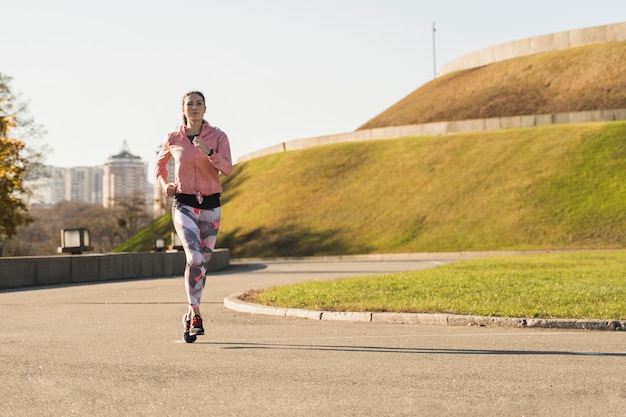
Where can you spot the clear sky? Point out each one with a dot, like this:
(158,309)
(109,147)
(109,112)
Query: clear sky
(96,73)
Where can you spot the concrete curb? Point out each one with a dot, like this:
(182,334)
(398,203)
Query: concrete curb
(233,302)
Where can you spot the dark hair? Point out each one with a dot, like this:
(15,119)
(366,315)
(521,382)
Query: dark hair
(188,94)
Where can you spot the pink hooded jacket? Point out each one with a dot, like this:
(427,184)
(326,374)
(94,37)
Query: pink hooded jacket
(193,172)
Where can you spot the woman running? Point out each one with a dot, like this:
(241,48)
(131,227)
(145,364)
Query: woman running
(201,152)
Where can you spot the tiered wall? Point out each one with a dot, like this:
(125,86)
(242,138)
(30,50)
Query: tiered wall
(515,49)
(538,44)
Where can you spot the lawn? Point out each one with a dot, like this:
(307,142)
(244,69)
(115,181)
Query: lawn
(576,285)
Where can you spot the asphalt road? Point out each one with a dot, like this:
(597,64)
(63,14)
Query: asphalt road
(115,349)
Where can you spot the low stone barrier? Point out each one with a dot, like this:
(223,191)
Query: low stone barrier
(29,271)
(444,128)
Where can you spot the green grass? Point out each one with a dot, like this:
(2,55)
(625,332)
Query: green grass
(583,285)
(142,241)
(551,187)
(556,187)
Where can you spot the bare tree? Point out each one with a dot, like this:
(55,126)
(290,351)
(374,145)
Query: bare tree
(132,214)
(108,227)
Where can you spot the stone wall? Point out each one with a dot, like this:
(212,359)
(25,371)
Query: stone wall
(536,45)
(29,271)
(442,128)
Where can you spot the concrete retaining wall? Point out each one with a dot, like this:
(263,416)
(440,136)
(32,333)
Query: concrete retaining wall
(442,128)
(29,271)
(536,45)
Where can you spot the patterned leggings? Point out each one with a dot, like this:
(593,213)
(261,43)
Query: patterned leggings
(197,229)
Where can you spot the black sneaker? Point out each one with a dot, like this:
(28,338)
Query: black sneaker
(187,325)
(196,326)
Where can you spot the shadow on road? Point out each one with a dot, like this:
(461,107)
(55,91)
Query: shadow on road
(421,351)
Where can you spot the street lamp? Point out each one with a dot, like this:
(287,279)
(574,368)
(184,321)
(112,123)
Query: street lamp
(158,244)
(75,240)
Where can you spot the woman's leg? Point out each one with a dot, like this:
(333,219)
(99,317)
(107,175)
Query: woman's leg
(208,226)
(197,230)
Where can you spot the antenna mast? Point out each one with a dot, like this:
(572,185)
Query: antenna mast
(434,53)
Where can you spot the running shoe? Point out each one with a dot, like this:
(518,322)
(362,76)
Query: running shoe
(196,326)
(187,325)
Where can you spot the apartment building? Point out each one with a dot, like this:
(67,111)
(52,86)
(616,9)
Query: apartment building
(124,175)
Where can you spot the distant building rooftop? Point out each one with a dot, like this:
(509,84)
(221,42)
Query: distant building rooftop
(124,153)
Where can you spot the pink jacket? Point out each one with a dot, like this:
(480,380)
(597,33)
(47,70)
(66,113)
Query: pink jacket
(193,172)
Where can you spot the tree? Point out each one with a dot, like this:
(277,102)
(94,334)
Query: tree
(108,228)
(131,214)
(13,166)
(12,170)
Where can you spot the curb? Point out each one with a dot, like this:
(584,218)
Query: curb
(233,302)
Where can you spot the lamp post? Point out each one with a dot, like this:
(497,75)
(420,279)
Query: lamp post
(158,244)
(75,240)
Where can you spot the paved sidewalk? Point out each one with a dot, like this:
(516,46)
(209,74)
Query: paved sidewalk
(115,349)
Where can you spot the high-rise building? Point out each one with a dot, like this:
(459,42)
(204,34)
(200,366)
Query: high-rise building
(46,185)
(84,184)
(125,176)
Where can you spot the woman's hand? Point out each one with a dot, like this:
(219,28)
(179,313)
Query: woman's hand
(200,145)
(170,189)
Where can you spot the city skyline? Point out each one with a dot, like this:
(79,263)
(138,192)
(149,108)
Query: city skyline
(122,175)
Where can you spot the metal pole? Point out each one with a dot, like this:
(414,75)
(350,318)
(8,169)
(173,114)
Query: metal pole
(434,53)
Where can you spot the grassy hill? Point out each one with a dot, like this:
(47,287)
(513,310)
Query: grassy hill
(545,187)
(537,188)
(585,78)
(552,187)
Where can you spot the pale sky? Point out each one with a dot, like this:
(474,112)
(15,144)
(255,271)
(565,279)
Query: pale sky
(96,73)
